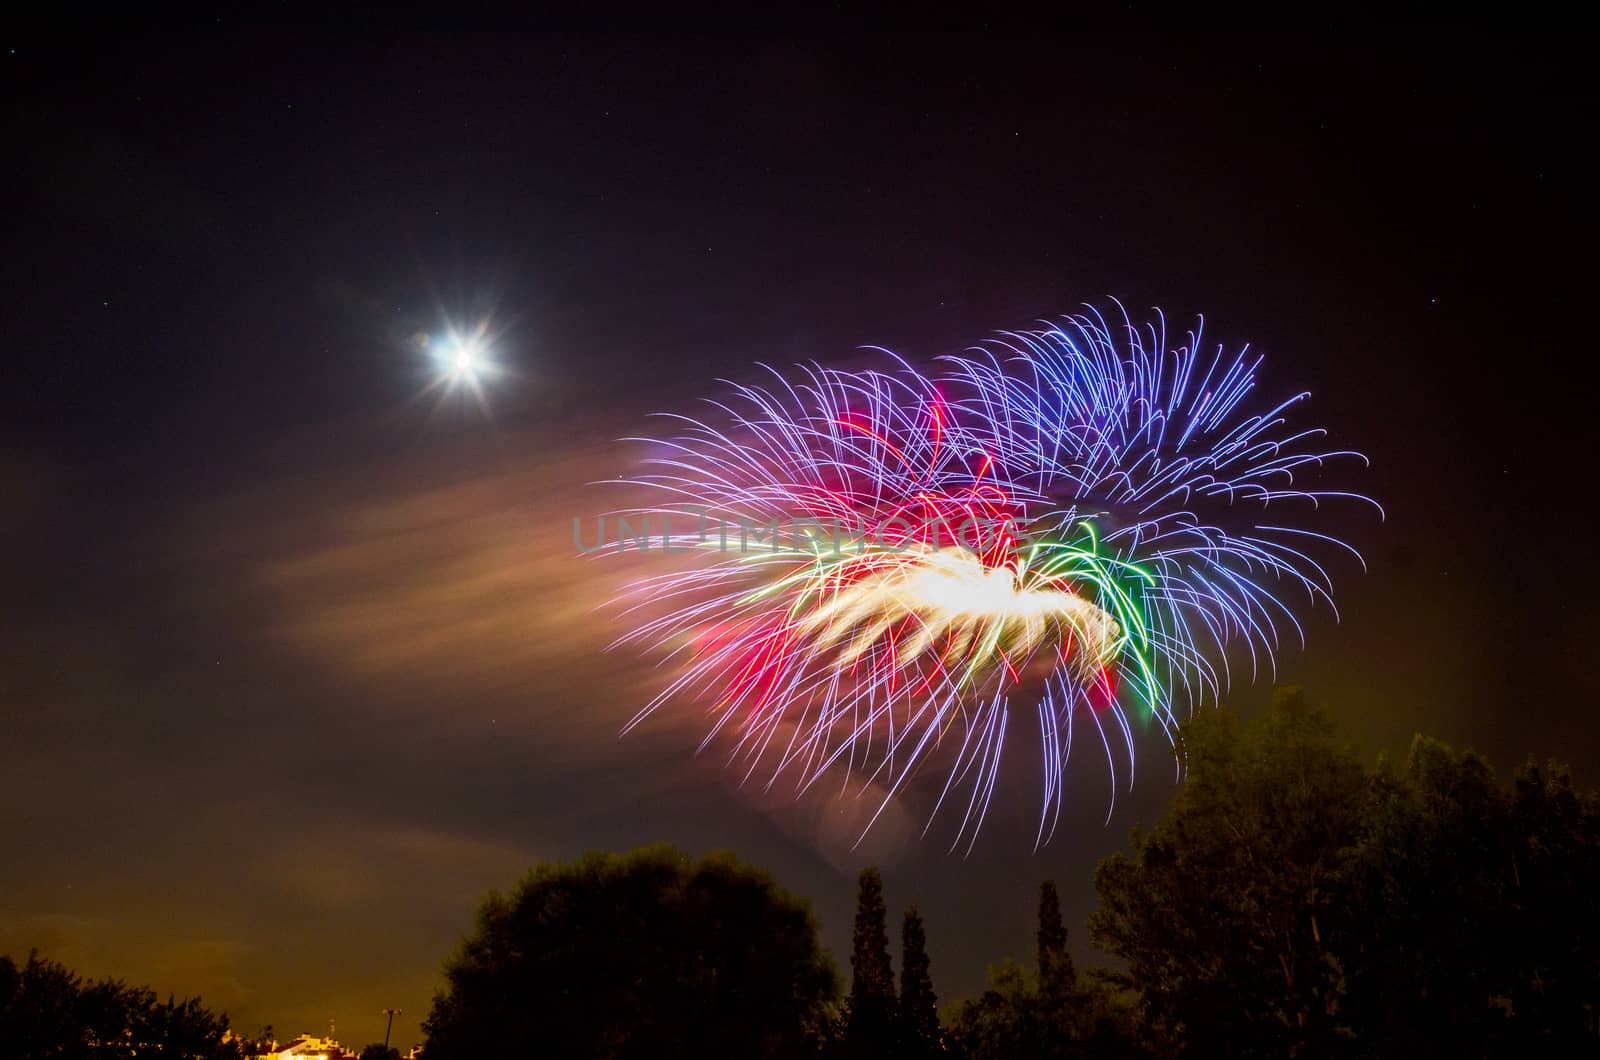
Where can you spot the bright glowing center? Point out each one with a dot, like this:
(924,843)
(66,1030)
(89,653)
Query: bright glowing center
(466,362)
(959,608)
(961,586)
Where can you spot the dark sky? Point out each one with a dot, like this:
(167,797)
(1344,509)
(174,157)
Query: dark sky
(296,664)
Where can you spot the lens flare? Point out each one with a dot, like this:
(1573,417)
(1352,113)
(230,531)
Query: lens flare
(1074,519)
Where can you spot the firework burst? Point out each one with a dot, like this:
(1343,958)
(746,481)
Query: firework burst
(1073,519)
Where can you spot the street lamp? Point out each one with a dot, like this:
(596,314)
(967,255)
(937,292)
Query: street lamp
(391,1013)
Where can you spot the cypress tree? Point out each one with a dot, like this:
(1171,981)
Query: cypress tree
(870,1029)
(1056,972)
(919,1013)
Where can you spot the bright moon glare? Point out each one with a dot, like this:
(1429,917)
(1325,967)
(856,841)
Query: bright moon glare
(466,362)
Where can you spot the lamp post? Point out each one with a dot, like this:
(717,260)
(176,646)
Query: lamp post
(391,1013)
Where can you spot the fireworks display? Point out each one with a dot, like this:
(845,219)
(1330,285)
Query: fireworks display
(1074,521)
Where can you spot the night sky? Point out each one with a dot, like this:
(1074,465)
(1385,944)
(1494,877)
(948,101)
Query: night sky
(296,663)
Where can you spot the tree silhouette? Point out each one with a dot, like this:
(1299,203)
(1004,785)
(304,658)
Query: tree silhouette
(1501,957)
(1223,911)
(870,1027)
(1057,976)
(1005,1021)
(919,1012)
(1293,903)
(263,1043)
(1555,879)
(1050,1013)
(1099,1019)
(645,955)
(48,1011)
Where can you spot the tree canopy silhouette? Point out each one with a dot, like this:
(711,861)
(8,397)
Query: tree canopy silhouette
(1294,903)
(647,955)
(1050,1012)
(48,1011)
